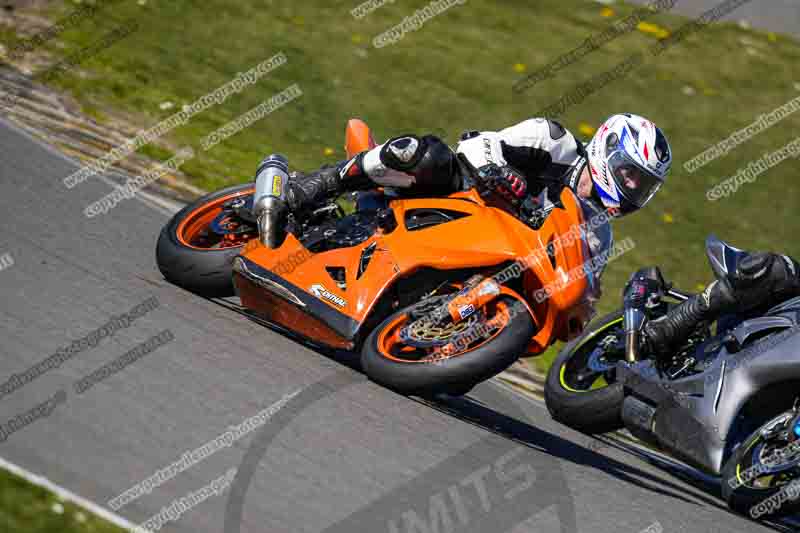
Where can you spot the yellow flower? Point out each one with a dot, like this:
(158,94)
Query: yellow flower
(668,218)
(772,37)
(700,287)
(607,12)
(520,68)
(328,151)
(708,91)
(586,129)
(653,29)
(357,38)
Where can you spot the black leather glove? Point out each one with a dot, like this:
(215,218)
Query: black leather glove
(505,181)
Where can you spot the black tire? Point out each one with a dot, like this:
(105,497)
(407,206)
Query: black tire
(204,272)
(742,498)
(456,375)
(591,411)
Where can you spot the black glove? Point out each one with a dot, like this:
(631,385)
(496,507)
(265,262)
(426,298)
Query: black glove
(505,181)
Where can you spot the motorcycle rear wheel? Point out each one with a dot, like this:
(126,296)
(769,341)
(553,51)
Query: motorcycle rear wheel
(191,256)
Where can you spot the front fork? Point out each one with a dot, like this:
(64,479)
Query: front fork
(478,291)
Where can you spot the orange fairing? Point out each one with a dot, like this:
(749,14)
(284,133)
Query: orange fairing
(563,282)
(357,138)
(479,236)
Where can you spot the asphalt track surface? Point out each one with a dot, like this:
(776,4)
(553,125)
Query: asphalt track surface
(781,16)
(342,455)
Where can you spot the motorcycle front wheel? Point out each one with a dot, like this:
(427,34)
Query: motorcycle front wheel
(580,390)
(762,477)
(411,354)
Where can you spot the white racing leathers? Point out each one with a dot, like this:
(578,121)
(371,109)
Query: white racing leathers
(542,150)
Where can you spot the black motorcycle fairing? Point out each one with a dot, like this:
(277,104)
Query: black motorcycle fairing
(723,257)
(696,417)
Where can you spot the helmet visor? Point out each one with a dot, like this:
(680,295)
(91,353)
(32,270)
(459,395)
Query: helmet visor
(637,184)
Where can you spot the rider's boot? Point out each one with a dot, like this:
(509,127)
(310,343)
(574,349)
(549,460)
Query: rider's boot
(761,280)
(664,335)
(307,191)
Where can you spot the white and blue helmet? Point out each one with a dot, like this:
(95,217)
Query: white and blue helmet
(629,158)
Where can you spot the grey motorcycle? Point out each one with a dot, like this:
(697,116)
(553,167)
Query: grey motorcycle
(726,402)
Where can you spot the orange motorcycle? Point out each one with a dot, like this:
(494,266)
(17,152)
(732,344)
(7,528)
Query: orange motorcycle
(438,294)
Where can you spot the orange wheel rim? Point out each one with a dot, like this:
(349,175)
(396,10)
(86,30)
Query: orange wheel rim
(392,347)
(193,229)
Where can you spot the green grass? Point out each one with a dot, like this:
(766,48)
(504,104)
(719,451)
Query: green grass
(31,509)
(453,74)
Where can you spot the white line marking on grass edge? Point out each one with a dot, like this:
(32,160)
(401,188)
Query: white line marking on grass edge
(66,495)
